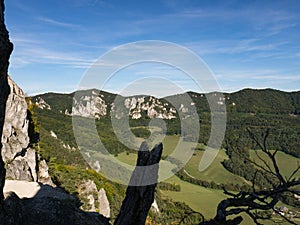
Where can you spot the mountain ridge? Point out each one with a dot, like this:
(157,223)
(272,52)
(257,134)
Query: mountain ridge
(247,100)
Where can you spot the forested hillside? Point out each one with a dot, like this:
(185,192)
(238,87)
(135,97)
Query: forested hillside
(255,110)
(248,108)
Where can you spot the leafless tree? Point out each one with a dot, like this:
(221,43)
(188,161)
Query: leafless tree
(254,201)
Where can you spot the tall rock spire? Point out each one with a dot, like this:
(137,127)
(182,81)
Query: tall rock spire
(6,48)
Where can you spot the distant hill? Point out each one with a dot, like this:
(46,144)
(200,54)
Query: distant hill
(248,108)
(264,101)
(245,101)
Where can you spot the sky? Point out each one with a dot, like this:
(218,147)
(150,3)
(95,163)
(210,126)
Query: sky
(245,44)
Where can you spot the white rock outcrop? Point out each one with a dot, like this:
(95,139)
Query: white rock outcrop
(154,207)
(42,104)
(104,207)
(92,106)
(43,174)
(89,191)
(152,107)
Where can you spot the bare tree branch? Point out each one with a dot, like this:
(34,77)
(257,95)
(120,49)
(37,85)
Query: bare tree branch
(293,173)
(284,217)
(269,154)
(262,200)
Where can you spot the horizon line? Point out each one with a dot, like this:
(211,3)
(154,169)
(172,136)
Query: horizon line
(112,92)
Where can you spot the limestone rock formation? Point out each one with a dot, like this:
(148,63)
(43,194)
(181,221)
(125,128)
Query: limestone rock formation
(88,190)
(95,199)
(92,105)
(43,174)
(136,106)
(6,48)
(154,207)
(104,207)
(42,104)
(19,158)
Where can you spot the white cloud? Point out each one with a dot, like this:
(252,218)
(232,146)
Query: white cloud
(233,46)
(57,23)
(40,55)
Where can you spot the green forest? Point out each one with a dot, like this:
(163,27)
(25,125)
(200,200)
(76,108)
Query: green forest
(247,110)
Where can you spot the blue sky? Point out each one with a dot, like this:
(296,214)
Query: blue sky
(252,44)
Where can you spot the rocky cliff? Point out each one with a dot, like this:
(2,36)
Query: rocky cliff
(26,201)
(49,205)
(18,156)
(97,104)
(6,48)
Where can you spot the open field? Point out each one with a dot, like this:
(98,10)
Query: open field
(215,172)
(202,199)
(287,163)
(205,200)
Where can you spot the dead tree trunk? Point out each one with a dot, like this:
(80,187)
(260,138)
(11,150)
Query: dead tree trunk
(141,189)
(6,48)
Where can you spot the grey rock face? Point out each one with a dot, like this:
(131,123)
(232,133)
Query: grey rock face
(43,174)
(104,207)
(19,159)
(88,190)
(136,106)
(6,48)
(90,106)
(42,104)
(153,107)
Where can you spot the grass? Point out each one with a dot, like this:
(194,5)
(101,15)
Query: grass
(215,172)
(205,200)
(170,142)
(128,158)
(198,198)
(202,199)
(287,163)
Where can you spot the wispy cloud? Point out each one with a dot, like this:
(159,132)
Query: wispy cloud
(39,55)
(57,23)
(246,44)
(277,28)
(90,3)
(232,46)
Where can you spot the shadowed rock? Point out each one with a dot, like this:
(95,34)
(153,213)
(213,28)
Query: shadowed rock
(50,206)
(141,189)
